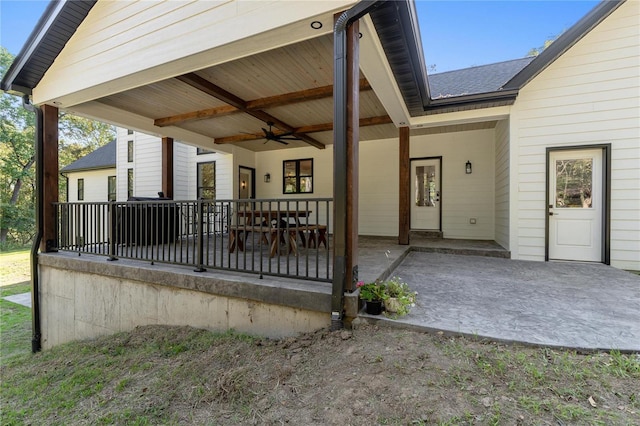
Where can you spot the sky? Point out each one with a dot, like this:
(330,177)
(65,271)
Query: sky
(455,34)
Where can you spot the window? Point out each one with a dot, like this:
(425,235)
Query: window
(129,131)
(130,151)
(129,183)
(298,176)
(207,180)
(205,151)
(111,188)
(80,189)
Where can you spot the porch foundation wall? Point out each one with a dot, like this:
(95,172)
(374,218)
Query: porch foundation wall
(87,298)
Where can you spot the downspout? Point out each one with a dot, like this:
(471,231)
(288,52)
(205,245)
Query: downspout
(36,341)
(340,189)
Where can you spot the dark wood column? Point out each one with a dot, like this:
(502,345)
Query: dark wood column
(404,190)
(167,167)
(50,176)
(353,138)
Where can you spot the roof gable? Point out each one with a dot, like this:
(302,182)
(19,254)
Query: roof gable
(102,158)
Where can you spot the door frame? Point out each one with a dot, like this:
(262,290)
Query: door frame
(605,256)
(253,180)
(439,158)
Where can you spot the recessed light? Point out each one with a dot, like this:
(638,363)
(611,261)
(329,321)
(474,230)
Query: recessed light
(316,25)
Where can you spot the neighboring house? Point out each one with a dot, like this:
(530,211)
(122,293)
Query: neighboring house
(92,177)
(539,154)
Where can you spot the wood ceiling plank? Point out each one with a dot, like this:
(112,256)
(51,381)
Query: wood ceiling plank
(256,104)
(324,127)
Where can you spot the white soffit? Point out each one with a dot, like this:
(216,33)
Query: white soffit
(374,66)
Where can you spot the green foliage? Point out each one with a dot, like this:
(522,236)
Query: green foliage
(372,291)
(78,137)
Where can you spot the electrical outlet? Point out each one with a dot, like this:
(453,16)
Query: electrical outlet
(472,221)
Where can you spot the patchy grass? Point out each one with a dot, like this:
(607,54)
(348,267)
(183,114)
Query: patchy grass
(15,323)
(15,267)
(180,375)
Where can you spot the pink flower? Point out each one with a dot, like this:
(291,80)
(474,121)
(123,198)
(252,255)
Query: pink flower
(360,284)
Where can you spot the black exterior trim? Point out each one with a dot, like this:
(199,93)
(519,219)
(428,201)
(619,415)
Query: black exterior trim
(397,26)
(58,23)
(605,256)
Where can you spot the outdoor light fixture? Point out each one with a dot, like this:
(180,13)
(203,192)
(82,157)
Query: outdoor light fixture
(468,168)
(267,178)
(243,184)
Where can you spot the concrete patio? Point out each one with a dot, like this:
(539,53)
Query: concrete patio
(556,304)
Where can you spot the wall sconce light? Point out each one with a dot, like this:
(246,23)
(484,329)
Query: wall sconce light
(243,184)
(468,167)
(267,178)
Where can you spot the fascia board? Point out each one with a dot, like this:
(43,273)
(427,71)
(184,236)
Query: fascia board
(460,117)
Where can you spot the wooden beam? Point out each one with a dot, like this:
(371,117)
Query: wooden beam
(256,104)
(195,115)
(167,167)
(313,128)
(404,190)
(50,176)
(208,87)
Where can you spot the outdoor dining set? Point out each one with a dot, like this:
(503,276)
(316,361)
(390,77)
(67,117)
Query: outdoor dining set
(275,228)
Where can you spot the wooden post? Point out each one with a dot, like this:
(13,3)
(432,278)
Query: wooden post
(50,176)
(404,190)
(353,137)
(167,167)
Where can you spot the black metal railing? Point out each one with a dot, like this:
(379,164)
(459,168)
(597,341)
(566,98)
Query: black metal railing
(288,238)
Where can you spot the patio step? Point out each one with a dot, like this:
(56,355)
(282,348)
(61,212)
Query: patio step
(432,235)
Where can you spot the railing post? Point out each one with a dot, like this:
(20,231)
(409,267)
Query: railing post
(112,231)
(200,236)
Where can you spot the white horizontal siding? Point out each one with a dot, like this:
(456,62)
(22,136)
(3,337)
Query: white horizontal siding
(590,95)
(188,35)
(96,187)
(147,173)
(464,196)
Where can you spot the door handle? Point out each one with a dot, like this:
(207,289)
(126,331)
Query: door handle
(552,214)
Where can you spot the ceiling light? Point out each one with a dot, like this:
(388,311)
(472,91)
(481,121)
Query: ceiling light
(316,25)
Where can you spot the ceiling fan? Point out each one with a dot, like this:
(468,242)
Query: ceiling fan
(280,137)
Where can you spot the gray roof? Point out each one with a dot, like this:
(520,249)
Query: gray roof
(479,79)
(102,158)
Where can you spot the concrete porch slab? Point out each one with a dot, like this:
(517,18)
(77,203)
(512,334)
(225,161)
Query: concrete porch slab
(570,305)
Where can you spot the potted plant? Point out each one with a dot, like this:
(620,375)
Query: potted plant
(374,294)
(399,297)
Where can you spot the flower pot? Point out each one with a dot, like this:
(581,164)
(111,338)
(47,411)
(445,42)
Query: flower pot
(374,307)
(392,305)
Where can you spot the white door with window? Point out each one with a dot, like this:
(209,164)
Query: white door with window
(425,193)
(576,204)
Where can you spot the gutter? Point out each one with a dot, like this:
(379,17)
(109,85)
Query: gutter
(340,186)
(36,339)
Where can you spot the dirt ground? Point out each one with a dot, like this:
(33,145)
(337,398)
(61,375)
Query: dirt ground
(371,375)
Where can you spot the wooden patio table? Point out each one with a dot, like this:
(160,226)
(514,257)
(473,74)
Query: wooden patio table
(270,224)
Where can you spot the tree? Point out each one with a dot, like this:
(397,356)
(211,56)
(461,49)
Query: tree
(538,50)
(16,165)
(78,136)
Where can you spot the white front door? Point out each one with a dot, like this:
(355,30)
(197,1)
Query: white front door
(425,193)
(576,204)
